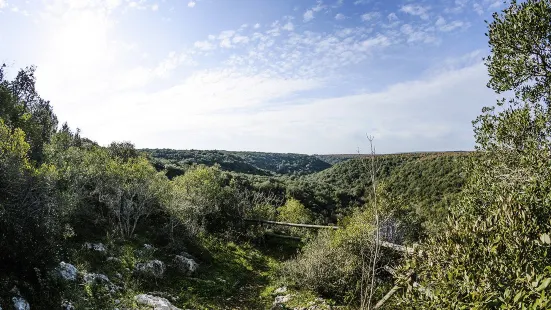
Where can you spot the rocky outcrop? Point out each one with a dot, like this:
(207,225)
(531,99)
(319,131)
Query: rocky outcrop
(185,265)
(282,299)
(280,290)
(20,304)
(157,303)
(154,269)
(97,247)
(67,305)
(67,271)
(101,279)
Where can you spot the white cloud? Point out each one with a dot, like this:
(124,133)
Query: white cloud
(288,26)
(137,5)
(191,4)
(155,7)
(458,6)
(416,33)
(3,4)
(226,34)
(234,114)
(416,10)
(318,7)
(340,16)
(446,27)
(493,4)
(204,45)
(478,8)
(453,25)
(266,76)
(370,16)
(308,15)
(378,41)
(338,3)
(226,43)
(238,39)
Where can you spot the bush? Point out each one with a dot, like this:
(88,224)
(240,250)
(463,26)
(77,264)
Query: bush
(333,264)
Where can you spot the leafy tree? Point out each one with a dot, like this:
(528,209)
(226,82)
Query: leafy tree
(198,198)
(22,107)
(494,252)
(295,212)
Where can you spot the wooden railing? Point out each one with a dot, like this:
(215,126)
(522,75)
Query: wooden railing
(385,244)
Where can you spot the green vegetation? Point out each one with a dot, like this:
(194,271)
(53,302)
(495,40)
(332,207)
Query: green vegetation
(243,162)
(98,227)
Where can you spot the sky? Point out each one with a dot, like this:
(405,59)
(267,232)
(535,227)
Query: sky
(301,76)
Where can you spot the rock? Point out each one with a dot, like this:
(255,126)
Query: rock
(67,271)
(67,305)
(154,268)
(280,290)
(149,247)
(185,265)
(20,304)
(98,247)
(282,299)
(158,303)
(101,279)
(91,278)
(112,259)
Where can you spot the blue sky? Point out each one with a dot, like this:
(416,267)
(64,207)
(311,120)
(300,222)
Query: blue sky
(260,75)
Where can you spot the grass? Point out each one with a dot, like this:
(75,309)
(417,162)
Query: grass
(231,275)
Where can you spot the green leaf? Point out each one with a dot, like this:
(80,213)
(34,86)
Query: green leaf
(544,284)
(517,297)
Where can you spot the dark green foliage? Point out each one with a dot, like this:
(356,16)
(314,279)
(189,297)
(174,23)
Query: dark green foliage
(494,253)
(243,162)
(22,107)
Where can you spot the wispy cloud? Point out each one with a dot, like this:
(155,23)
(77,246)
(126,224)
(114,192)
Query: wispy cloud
(416,10)
(281,81)
(370,16)
(308,15)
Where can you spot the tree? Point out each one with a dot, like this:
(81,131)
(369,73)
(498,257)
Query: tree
(198,197)
(494,251)
(22,107)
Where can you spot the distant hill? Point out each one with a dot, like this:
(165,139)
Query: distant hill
(337,158)
(257,163)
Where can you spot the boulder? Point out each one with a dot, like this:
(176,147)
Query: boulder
(67,271)
(67,305)
(280,290)
(154,268)
(282,299)
(157,303)
(185,265)
(91,278)
(98,247)
(20,304)
(101,279)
